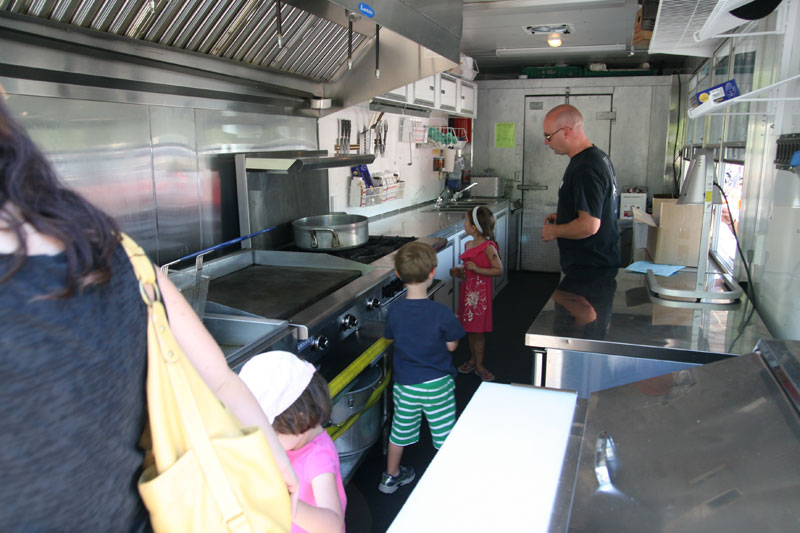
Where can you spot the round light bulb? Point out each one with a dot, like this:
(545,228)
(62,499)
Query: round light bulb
(554,40)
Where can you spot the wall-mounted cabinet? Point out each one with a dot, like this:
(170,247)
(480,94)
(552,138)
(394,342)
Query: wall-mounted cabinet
(401,94)
(424,91)
(448,93)
(441,92)
(467,98)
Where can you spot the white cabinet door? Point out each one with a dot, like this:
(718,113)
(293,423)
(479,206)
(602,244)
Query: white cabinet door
(445,258)
(398,95)
(425,91)
(467,98)
(448,93)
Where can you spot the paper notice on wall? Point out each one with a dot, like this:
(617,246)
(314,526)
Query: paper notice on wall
(504,135)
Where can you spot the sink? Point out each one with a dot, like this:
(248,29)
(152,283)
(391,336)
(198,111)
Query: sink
(241,337)
(461,206)
(453,209)
(469,201)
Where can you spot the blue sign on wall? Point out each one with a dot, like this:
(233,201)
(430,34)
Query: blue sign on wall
(366,9)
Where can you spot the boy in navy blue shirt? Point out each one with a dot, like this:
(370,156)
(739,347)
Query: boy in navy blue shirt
(424,333)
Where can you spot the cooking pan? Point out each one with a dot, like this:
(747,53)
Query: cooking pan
(325,233)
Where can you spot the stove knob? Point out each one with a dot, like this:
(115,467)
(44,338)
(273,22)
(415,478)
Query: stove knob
(373,303)
(320,343)
(349,321)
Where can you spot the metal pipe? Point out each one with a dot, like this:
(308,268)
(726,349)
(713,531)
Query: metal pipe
(278,22)
(377,51)
(164,268)
(349,41)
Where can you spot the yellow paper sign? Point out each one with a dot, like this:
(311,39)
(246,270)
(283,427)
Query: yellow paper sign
(504,135)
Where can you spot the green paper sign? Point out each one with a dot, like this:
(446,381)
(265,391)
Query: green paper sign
(504,135)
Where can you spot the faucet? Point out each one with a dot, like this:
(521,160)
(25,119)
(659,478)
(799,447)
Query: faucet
(457,195)
(443,198)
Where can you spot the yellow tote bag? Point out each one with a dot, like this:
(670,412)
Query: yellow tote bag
(210,474)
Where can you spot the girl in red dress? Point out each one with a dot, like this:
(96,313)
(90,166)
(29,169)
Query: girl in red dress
(481,264)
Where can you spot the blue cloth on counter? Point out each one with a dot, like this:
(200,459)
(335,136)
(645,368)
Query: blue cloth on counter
(658,270)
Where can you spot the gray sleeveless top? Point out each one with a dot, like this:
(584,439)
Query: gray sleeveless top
(72,400)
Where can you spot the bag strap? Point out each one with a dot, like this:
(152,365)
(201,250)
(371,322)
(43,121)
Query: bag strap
(170,354)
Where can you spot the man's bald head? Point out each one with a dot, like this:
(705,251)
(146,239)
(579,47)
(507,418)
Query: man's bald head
(563,130)
(565,116)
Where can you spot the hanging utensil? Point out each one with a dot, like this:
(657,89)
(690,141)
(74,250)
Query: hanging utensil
(385,133)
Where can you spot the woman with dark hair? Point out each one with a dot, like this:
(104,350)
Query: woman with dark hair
(73,356)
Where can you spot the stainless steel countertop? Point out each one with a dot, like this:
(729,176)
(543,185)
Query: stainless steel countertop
(611,314)
(426,221)
(709,448)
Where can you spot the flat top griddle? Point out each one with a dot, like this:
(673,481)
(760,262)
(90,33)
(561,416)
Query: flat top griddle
(277,291)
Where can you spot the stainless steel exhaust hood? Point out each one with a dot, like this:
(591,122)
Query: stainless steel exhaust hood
(228,49)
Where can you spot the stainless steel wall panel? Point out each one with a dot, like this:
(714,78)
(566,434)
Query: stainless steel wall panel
(176,182)
(630,134)
(102,150)
(225,132)
(660,149)
(275,200)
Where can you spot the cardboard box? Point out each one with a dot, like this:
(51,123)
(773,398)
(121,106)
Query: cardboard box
(629,200)
(641,37)
(673,236)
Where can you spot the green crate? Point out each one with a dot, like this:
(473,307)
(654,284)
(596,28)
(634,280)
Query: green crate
(618,72)
(561,71)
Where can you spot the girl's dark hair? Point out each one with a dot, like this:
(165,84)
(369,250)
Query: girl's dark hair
(31,192)
(311,408)
(486,220)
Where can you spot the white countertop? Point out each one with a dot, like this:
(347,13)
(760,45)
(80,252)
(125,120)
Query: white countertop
(499,468)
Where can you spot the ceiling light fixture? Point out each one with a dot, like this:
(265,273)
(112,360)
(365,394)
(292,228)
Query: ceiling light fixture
(547,28)
(554,40)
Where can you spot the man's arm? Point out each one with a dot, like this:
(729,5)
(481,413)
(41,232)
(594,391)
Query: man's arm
(584,226)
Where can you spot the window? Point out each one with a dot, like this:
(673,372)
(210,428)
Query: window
(727,134)
(730,177)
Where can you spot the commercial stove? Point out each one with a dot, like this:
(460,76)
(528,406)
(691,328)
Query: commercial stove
(326,307)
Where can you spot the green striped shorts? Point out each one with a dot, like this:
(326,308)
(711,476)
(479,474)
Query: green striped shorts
(435,398)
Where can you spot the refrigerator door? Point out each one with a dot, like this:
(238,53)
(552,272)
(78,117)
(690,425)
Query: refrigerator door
(711,448)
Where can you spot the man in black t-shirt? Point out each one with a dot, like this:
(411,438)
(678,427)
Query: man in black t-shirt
(585,223)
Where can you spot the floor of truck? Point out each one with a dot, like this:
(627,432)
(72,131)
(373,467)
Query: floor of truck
(506,356)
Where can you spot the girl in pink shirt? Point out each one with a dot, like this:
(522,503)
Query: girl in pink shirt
(296,400)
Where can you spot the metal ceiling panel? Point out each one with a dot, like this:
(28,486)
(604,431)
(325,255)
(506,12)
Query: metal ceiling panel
(241,30)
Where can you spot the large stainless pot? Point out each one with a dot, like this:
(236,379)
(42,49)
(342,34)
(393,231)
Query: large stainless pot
(366,430)
(337,231)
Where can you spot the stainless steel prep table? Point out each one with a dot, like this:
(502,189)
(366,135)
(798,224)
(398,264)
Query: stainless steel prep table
(631,338)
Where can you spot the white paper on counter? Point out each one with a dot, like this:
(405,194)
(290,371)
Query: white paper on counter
(499,468)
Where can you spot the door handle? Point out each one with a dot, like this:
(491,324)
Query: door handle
(531,187)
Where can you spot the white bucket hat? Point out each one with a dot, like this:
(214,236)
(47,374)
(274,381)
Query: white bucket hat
(276,379)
